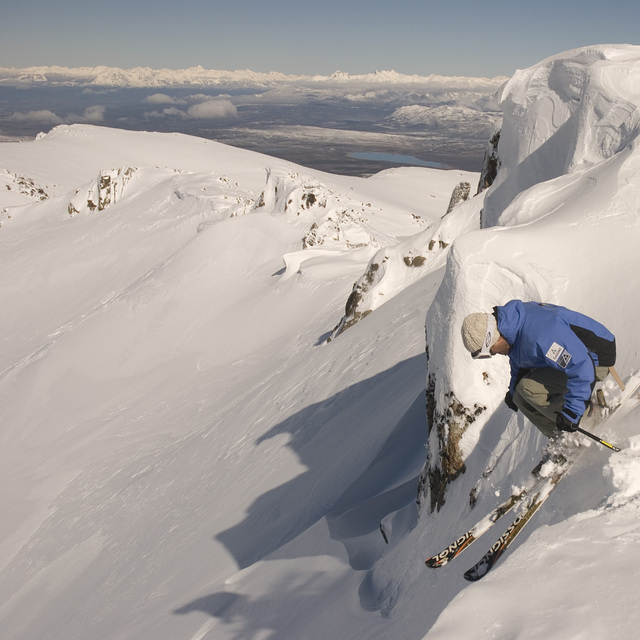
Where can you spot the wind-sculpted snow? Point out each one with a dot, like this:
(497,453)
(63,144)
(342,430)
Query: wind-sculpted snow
(339,222)
(335,220)
(568,113)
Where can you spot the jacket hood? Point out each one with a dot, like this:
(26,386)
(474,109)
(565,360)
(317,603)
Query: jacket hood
(510,319)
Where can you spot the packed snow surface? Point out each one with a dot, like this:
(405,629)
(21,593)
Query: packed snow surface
(184,452)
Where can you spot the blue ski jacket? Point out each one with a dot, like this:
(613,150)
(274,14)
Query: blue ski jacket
(545,335)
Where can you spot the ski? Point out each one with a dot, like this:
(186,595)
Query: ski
(464,541)
(534,502)
(536,499)
(532,495)
(482,526)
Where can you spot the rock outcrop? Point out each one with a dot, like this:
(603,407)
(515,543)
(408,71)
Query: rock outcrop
(103,192)
(393,268)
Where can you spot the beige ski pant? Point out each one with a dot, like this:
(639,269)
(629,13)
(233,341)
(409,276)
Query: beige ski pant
(540,396)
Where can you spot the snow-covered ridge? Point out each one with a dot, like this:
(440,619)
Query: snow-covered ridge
(200,77)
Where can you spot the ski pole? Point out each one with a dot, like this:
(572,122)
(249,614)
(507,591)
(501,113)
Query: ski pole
(617,378)
(594,437)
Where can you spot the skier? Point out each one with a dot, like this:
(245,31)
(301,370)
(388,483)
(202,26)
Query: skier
(556,357)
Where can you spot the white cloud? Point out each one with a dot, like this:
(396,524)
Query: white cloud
(162,98)
(213,110)
(170,112)
(203,97)
(90,91)
(174,111)
(43,116)
(95,113)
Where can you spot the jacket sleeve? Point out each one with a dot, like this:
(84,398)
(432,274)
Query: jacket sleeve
(515,375)
(568,354)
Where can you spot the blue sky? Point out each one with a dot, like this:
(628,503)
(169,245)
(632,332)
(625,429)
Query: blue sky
(448,37)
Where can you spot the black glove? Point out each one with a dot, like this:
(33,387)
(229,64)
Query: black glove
(508,400)
(566,424)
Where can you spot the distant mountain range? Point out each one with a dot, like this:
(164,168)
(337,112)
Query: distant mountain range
(200,77)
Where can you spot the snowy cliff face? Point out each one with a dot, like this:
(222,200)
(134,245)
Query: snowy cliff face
(564,200)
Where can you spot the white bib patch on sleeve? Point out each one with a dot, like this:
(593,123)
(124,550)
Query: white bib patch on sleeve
(555,351)
(559,355)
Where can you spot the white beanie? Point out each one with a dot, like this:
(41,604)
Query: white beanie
(474,329)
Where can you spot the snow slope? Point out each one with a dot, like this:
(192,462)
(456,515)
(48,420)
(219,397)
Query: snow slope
(170,413)
(185,455)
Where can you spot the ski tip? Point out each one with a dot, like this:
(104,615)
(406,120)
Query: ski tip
(478,571)
(432,563)
(473,576)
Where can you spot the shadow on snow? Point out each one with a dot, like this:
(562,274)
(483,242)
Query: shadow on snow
(363,449)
